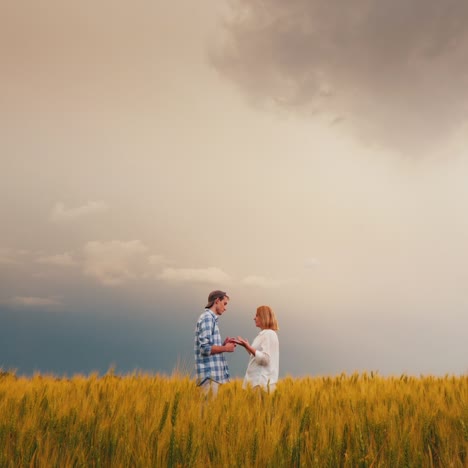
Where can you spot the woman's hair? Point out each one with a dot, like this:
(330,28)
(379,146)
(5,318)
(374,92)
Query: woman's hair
(267,318)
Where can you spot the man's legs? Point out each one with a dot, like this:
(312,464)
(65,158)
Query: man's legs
(208,385)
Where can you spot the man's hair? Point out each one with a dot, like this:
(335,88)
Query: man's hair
(215,295)
(267,318)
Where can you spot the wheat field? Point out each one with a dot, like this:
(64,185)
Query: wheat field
(142,420)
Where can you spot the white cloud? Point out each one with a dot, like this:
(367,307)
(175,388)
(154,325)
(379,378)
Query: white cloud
(156,263)
(261,281)
(11,256)
(157,260)
(211,275)
(311,262)
(64,259)
(35,301)
(60,213)
(114,262)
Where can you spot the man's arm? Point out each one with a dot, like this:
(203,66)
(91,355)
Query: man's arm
(227,348)
(205,338)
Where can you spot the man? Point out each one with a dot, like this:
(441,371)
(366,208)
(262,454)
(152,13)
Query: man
(212,369)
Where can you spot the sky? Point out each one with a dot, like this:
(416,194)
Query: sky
(306,155)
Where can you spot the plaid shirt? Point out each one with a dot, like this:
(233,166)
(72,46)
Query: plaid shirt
(209,366)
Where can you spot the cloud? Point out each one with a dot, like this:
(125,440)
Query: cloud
(114,262)
(60,213)
(64,259)
(156,263)
(393,72)
(11,256)
(35,301)
(211,275)
(157,260)
(311,262)
(262,282)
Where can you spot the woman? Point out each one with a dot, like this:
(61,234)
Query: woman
(263,367)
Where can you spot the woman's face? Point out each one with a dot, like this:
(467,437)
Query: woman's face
(258,322)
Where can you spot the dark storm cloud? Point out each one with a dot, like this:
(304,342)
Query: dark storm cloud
(396,72)
(80,342)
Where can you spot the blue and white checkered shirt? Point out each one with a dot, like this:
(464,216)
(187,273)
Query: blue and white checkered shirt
(209,366)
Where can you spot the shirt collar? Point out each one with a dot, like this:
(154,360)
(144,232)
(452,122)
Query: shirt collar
(212,314)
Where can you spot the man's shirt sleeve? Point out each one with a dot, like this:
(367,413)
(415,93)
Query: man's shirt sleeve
(205,336)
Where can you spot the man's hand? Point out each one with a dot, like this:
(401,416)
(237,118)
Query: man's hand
(229,347)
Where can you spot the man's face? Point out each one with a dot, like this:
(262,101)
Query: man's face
(221,305)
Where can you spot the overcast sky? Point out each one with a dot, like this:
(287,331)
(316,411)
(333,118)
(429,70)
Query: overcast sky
(306,155)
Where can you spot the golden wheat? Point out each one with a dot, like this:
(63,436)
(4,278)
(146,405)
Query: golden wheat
(359,420)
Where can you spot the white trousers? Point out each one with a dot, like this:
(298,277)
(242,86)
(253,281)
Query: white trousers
(208,385)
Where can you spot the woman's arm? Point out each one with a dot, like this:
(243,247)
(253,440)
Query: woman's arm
(261,357)
(246,345)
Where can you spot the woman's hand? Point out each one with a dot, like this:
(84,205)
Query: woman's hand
(230,340)
(245,343)
(242,341)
